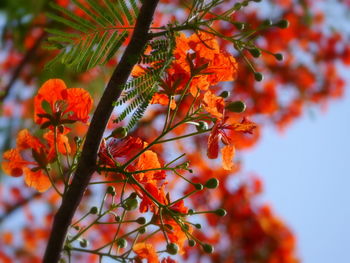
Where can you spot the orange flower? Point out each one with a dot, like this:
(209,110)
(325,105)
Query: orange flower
(63,105)
(146,251)
(214,104)
(163,99)
(149,160)
(15,165)
(158,194)
(218,132)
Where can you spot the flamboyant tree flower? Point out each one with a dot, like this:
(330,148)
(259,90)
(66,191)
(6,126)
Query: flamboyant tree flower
(16,163)
(146,251)
(55,104)
(218,133)
(215,106)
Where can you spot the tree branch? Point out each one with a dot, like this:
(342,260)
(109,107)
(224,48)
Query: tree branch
(27,57)
(87,163)
(18,205)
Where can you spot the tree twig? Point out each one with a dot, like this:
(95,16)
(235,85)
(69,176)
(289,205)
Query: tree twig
(87,163)
(27,57)
(18,205)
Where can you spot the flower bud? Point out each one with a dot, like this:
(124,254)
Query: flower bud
(111,190)
(202,126)
(282,24)
(255,52)
(190,211)
(236,106)
(198,226)
(208,248)
(130,204)
(120,132)
(225,94)
(278,56)
(212,183)
(191,243)
(93,210)
(172,248)
(83,243)
(122,243)
(141,220)
(258,76)
(220,212)
(198,186)
(142,230)
(267,22)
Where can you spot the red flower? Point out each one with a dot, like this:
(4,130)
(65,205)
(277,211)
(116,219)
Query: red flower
(218,132)
(55,104)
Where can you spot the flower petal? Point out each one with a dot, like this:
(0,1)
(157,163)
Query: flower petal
(228,152)
(37,179)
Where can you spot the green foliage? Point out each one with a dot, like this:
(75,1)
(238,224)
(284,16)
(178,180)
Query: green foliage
(93,39)
(140,90)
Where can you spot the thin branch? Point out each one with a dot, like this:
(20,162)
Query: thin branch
(18,205)
(27,57)
(87,163)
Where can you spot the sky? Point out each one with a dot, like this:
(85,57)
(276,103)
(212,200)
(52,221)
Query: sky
(307,179)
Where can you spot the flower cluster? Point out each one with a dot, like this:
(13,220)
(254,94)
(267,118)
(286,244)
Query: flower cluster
(54,107)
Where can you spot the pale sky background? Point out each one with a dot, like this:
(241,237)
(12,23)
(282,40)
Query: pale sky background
(307,180)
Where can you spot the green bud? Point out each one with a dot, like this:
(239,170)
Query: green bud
(202,126)
(191,243)
(122,243)
(111,190)
(141,220)
(198,226)
(225,94)
(172,248)
(255,52)
(190,211)
(239,25)
(237,6)
(278,56)
(282,24)
(208,248)
(198,186)
(130,204)
(236,106)
(212,183)
(267,22)
(120,132)
(83,243)
(142,230)
(93,210)
(220,212)
(117,219)
(258,76)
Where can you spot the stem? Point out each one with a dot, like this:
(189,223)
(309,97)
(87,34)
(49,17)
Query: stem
(87,162)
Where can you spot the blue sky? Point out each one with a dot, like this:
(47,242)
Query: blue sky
(307,180)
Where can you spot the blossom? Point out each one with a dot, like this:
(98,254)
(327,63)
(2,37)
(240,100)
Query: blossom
(146,251)
(56,104)
(14,163)
(218,132)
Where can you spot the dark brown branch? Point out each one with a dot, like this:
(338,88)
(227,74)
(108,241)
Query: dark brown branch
(27,57)
(87,163)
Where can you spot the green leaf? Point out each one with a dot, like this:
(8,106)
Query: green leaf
(93,39)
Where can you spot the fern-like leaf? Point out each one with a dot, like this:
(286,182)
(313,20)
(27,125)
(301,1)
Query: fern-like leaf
(139,91)
(93,39)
